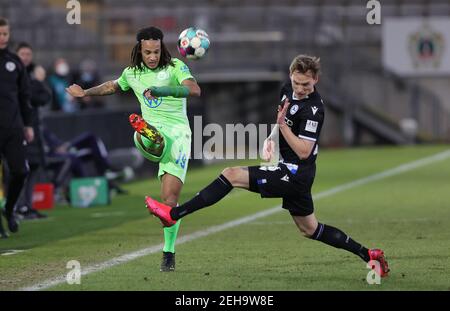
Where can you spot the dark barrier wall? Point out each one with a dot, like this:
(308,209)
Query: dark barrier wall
(111,126)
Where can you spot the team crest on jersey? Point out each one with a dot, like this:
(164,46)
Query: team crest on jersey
(162,75)
(294,109)
(10,66)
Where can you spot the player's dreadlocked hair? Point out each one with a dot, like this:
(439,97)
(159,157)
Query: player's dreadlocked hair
(305,63)
(148,33)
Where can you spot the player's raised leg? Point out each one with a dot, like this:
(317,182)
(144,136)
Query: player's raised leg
(330,235)
(211,194)
(147,138)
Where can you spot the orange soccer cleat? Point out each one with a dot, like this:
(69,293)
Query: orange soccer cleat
(145,129)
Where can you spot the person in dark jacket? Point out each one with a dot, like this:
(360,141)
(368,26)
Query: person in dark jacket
(15,121)
(41,95)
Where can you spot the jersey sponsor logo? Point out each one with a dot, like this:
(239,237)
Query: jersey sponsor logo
(314,109)
(285,178)
(269,168)
(311,126)
(294,109)
(288,122)
(162,75)
(10,66)
(152,103)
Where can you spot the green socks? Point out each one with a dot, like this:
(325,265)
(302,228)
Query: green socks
(170,236)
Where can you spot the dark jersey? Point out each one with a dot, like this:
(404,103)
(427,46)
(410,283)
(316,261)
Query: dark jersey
(15,109)
(305,118)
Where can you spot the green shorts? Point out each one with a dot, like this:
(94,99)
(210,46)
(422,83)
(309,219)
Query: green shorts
(177,150)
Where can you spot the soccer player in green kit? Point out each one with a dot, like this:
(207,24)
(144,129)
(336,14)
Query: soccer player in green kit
(161,84)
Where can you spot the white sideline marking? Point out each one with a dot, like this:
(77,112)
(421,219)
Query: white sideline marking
(12,252)
(106,214)
(214,229)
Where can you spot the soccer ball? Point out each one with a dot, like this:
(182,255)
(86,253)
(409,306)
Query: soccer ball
(193,43)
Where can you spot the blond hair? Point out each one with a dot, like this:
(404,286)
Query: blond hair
(304,63)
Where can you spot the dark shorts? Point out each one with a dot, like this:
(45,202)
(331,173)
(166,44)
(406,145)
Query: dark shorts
(290,182)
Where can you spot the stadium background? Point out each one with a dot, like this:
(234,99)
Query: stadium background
(252,43)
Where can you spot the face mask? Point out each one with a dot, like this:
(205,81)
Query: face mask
(62,69)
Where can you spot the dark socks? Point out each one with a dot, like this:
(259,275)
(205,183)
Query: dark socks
(210,195)
(335,237)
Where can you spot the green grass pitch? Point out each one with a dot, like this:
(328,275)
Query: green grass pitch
(406,214)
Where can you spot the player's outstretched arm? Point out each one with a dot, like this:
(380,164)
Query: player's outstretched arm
(188,87)
(107,88)
(194,88)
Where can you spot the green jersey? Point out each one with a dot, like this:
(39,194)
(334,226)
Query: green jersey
(162,110)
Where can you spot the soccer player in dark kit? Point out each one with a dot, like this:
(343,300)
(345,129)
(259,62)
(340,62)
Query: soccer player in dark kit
(300,118)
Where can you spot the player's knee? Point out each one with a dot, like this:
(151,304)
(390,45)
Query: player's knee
(231,173)
(307,231)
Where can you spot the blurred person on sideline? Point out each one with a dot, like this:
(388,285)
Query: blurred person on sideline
(47,146)
(88,77)
(40,96)
(15,122)
(78,151)
(66,159)
(59,80)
